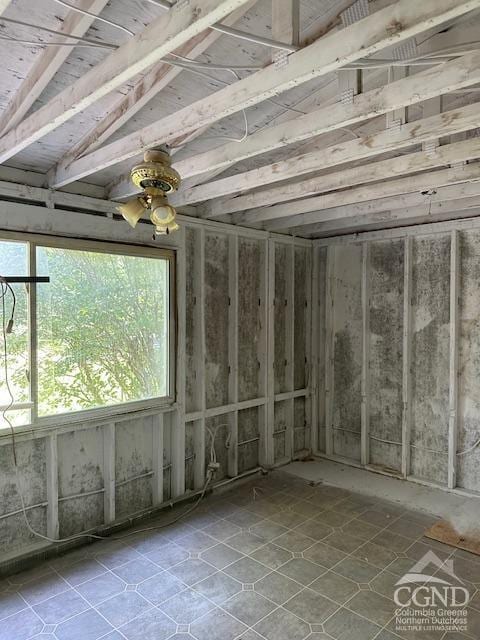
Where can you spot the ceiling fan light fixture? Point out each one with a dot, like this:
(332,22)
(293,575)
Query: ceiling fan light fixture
(155,177)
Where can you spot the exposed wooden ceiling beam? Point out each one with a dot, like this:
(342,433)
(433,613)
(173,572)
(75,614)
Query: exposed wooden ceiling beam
(163,35)
(46,65)
(395,23)
(372,172)
(401,201)
(466,207)
(442,79)
(157,78)
(447,123)
(362,199)
(122,187)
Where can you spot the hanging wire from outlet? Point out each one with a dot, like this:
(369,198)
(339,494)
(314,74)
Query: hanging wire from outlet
(7,327)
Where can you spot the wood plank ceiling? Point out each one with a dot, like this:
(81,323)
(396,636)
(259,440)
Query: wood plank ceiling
(366,119)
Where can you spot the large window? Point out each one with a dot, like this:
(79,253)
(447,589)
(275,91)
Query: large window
(99,334)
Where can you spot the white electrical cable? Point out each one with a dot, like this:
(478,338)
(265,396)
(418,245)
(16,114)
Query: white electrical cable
(236,33)
(213,66)
(33,43)
(58,33)
(212,79)
(93,15)
(470,449)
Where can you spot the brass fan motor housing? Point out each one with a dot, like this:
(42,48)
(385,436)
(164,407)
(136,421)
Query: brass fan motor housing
(155,172)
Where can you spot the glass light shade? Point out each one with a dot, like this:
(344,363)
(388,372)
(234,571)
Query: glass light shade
(132,211)
(163,216)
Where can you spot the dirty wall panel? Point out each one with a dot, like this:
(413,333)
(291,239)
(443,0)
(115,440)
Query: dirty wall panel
(280,317)
(216,320)
(189,452)
(347,366)
(468,465)
(301,434)
(80,514)
(133,457)
(320,329)
(14,535)
(167,456)
(80,470)
(430,357)
(279,430)
(250,275)
(248,434)
(192,331)
(300,318)
(386,273)
(15,538)
(32,469)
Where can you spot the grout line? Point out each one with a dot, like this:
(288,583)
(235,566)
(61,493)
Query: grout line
(262,519)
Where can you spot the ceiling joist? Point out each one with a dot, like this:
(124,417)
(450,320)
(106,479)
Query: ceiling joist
(392,25)
(162,36)
(47,64)
(357,199)
(425,213)
(449,122)
(154,81)
(373,172)
(402,201)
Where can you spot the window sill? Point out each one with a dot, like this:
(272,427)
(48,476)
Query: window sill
(94,417)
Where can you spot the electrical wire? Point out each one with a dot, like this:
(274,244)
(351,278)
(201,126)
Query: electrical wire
(58,33)
(5,288)
(470,449)
(212,79)
(213,66)
(93,15)
(34,43)
(236,33)
(6,328)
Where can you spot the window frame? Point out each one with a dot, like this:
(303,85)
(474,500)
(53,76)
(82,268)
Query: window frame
(32,242)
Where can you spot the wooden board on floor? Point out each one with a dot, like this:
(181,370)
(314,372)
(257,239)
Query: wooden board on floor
(445,532)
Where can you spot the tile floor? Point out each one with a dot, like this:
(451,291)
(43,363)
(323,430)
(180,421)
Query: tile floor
(273,559)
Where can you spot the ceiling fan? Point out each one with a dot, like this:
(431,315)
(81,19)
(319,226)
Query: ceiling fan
(156,178)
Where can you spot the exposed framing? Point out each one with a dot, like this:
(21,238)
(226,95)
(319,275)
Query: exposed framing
(454,228)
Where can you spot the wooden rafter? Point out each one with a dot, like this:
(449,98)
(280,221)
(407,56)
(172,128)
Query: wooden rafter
(47,64)
(157,78)
(451,209)
(421,196)
(442,79)
(438,80)
(449,123)
(122,186)
(308,210)
(372,172)
(391,25)
(163,35)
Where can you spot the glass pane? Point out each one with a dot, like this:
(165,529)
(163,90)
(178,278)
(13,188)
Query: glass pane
(14,262)
(102,326)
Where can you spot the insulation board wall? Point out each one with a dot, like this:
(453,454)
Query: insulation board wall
(398,334)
